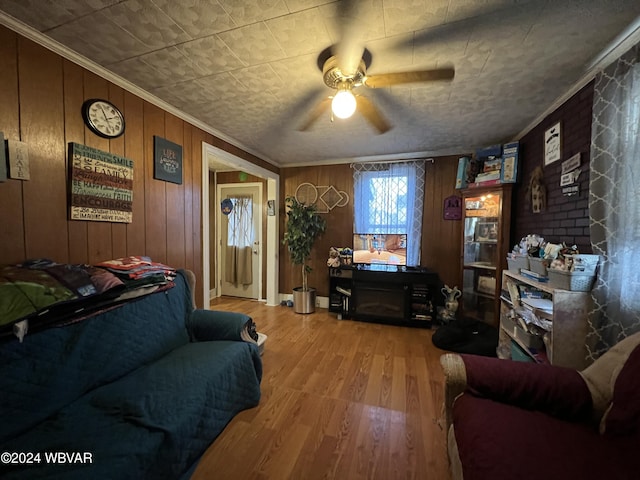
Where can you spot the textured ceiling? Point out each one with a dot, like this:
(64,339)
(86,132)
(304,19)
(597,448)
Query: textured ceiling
(248,69)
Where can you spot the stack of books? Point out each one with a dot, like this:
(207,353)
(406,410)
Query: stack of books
(491,172)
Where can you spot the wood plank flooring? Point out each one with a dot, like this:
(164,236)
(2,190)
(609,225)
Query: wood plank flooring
(341,399)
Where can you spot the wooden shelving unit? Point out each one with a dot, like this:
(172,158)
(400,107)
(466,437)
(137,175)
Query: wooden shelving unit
(565,345)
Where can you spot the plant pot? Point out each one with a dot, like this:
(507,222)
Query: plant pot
(304,301)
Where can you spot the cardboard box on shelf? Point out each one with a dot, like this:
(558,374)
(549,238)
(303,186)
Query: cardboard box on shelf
(488,152)
(510,162)
(461,177)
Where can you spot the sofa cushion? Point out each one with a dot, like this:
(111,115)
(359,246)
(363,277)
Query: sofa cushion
(153,423)
(623,415)
(499,441)
(54,367)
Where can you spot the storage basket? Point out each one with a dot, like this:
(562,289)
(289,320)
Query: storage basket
(574,281)
(585,263)
(538,265)
(516,262)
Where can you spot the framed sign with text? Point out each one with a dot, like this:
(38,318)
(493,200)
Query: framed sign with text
(101,185)
(552,144)
(167,164)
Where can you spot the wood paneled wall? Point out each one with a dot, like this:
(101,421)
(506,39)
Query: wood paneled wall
(441,239)
(41,95)
(339,231)
(441,242)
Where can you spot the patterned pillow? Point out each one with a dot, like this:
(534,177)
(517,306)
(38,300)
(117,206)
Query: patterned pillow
(623,415)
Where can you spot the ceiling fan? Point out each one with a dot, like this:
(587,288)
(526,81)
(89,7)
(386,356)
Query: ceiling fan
(344,102)
(344,70)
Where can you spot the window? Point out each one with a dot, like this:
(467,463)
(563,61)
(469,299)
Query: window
(388,198)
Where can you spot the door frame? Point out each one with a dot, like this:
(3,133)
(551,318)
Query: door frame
(219,249)
(212,154)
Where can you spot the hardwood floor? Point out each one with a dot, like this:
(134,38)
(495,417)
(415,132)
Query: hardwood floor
(341,399)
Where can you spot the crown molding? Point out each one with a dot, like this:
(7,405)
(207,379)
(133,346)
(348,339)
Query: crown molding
(71,55)
(629,37)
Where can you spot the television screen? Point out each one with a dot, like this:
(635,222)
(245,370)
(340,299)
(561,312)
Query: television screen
(382,249)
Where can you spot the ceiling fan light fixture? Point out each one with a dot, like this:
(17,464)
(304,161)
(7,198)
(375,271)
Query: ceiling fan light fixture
(343,104)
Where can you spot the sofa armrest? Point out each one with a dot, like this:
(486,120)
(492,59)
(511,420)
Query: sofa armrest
(557,391)
(208,325)
(455,382)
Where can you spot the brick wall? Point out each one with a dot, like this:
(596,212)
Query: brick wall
(566,218)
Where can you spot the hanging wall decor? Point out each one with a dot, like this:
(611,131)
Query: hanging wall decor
(101,185)
(452,209)
(167,164)
(552,144)
(325,197)
(226,206)
(18,160)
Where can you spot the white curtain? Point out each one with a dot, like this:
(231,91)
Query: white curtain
(389,198)
(614,203)
(238,262)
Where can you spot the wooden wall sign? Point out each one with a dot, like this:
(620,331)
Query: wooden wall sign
(101,185)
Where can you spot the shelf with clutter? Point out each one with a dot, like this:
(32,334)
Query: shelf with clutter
(489,166)
(545,302)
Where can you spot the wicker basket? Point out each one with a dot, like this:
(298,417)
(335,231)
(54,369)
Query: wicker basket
(574,281)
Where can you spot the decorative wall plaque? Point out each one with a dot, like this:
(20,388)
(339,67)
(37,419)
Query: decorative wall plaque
(101,185)
(167,163)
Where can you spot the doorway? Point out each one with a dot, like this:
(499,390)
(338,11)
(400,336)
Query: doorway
(215,155)
(239,234)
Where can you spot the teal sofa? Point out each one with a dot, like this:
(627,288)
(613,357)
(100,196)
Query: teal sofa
(135,392)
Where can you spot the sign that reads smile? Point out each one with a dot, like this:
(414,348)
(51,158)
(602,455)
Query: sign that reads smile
(101,185)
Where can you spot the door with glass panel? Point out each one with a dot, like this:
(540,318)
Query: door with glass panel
(239,246)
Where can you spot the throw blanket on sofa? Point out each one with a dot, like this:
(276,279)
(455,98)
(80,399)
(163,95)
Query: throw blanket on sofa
(42,293)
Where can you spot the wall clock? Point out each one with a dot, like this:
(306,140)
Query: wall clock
(103,118)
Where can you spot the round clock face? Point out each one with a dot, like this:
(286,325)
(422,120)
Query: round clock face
(103,118)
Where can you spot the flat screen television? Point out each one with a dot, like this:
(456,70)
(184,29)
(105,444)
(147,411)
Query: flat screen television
(380,249)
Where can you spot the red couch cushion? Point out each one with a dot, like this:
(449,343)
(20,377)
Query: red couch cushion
(498,441)
(558,391)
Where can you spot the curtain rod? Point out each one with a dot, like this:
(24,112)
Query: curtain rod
(430,159)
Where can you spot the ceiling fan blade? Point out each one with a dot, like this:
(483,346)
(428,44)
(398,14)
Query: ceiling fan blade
(372,114)
(317,111)
(350,46)
(388,79)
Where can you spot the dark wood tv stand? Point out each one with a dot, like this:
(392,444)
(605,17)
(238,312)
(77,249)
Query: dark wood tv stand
(405,296)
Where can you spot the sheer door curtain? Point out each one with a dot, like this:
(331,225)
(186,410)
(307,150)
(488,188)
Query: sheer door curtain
(614,203)
(238,269)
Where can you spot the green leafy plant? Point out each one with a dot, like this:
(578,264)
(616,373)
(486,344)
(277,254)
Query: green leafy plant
(304,225)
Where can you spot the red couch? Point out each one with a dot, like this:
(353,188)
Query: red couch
(513,420)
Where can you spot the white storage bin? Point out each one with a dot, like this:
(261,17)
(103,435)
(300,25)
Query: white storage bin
(574,281)
(516,262)
(585,263)
(538,265)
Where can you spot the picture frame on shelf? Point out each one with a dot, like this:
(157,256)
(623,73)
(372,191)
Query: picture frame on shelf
(486,285)
(486,232)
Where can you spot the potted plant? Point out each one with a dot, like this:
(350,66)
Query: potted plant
(304,225)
